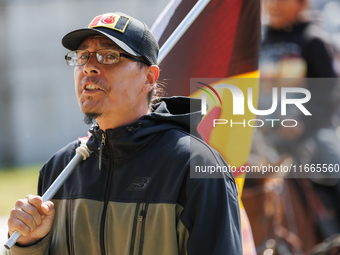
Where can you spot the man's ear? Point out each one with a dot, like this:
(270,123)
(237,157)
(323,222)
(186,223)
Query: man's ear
(151,75)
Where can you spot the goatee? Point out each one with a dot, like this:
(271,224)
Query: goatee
(89,118)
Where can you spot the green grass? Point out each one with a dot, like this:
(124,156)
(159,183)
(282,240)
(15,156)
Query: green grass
(17,183)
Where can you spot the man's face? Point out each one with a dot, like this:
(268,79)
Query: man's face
(283,13)
(109,91)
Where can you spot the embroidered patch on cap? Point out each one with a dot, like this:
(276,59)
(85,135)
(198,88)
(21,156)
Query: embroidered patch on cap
(110,20)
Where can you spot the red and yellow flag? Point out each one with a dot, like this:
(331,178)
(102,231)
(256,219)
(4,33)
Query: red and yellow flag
(223,44)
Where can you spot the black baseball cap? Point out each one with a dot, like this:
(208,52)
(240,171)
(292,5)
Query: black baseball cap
(128,33)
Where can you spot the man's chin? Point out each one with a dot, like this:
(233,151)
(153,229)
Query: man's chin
(89,118)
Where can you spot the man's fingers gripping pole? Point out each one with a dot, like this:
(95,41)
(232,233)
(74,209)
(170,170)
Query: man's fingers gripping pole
(82,153)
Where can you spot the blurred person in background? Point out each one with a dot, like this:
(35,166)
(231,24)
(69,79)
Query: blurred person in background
(295,46)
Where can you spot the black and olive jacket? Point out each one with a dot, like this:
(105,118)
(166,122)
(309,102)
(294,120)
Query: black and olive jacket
(143,200)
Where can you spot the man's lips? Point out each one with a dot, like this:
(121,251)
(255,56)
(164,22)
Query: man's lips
(92,85)
(90,89)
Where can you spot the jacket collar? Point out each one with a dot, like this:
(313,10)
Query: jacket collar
(175,112)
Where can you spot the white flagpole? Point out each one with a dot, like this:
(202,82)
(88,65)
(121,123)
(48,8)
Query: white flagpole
(181,29)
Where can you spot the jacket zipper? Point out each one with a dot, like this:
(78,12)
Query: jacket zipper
(138,229)
(101,148)
(142,217)
(107,194)
(69,230)
(133,237)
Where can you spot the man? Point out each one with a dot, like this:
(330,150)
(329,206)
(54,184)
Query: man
(134,194)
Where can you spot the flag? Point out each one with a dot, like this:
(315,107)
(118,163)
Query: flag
(222,44)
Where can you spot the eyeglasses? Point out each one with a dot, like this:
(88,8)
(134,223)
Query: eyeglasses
(104,56)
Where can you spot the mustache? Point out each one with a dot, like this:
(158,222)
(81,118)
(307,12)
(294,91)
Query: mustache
(94,80)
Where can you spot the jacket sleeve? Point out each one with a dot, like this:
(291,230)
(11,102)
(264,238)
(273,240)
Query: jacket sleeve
(319,59)
(211,214)
(40,248)
(325,92)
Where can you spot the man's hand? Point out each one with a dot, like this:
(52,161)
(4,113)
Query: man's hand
(32,218)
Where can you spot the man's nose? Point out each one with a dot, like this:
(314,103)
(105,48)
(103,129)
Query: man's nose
(92,65)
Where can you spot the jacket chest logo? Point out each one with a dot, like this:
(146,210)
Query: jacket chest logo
(139,183)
